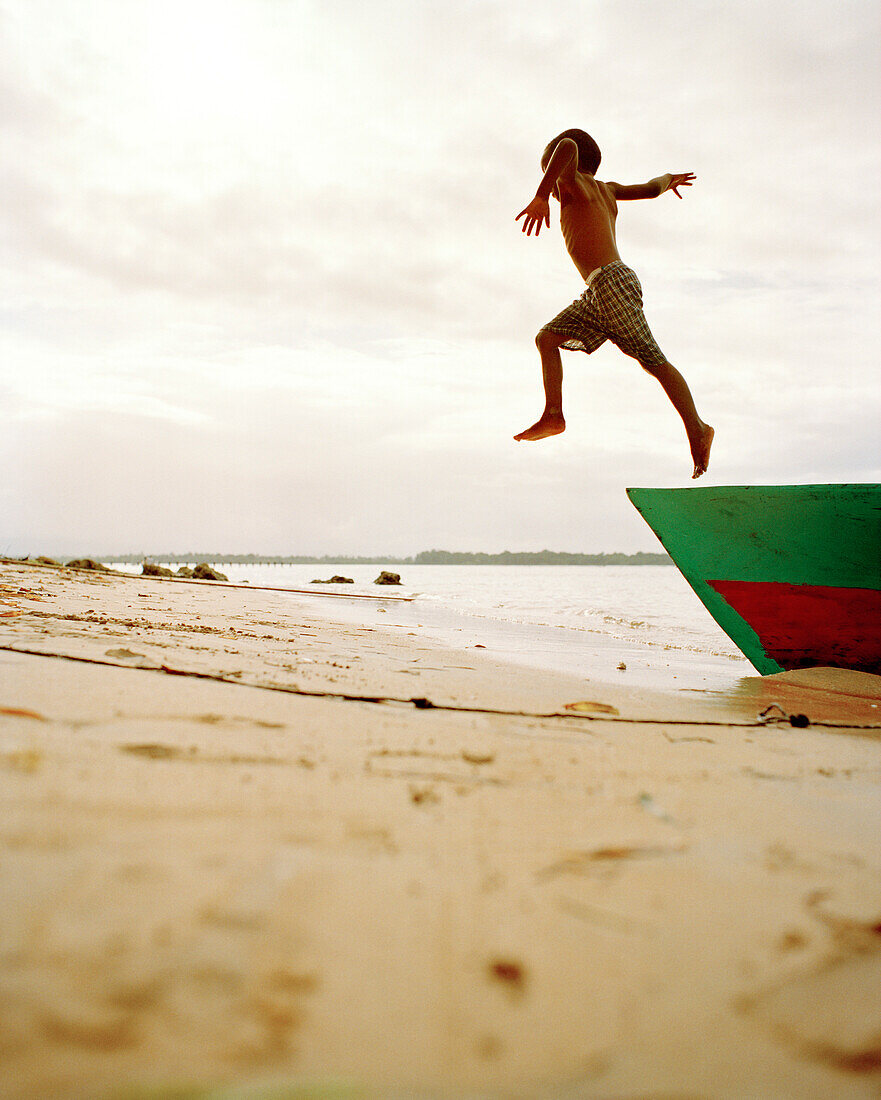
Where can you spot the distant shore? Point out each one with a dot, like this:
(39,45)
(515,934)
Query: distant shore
(424,557)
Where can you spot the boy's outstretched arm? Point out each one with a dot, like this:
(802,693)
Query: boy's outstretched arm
(670,181)
(563,162)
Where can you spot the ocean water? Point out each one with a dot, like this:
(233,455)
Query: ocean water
(583,619)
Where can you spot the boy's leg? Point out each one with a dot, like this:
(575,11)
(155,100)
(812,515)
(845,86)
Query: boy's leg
(621,301)
(700,435)
(551,421)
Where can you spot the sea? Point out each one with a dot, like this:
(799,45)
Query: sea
(640,625)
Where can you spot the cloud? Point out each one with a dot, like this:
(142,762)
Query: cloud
(272,247)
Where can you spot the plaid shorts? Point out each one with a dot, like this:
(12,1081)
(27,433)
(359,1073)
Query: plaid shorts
(609,309)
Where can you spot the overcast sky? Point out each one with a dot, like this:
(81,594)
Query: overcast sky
(263,290)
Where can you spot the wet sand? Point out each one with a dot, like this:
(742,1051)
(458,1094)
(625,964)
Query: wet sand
(247,852)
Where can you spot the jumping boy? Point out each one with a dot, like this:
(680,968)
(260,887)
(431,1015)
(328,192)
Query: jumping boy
(611,306)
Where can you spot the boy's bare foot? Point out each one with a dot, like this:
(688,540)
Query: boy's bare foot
(700,452)
(550,423)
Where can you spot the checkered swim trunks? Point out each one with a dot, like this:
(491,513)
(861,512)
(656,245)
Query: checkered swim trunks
(609,309)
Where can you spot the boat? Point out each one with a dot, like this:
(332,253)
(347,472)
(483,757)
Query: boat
(791,573)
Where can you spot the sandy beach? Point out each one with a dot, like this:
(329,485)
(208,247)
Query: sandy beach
(247,852)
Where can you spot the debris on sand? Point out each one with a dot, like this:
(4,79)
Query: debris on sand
(388,578)
(588,706)
(335,579)
(510,973)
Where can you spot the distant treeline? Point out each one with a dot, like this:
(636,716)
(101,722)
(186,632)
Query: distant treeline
(425,557)
(540,557)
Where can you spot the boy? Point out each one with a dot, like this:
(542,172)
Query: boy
(611,306)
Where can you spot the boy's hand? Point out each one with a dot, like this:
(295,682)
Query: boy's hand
(538,211)
(679,179)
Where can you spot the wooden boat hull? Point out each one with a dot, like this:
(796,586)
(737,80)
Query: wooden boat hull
(791,573)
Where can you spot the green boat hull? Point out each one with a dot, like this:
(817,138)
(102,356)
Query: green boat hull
(791,573)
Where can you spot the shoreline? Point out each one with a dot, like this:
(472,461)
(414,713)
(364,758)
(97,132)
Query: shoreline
(548,649)
(246,847)
(655,660)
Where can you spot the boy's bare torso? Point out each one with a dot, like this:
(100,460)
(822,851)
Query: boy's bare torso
(588,212)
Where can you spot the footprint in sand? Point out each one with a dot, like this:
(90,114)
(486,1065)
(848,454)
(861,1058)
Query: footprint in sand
(832,1012)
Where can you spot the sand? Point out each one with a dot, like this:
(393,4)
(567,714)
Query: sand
(239,860)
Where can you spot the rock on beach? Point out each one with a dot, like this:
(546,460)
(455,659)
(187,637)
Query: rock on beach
(150,570)
(205,572)
(89,563)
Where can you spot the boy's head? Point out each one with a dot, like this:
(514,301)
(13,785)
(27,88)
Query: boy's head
(589,154)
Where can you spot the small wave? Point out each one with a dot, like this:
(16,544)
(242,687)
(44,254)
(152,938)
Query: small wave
(614,628)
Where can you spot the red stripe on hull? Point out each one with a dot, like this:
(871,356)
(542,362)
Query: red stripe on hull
(802,625)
